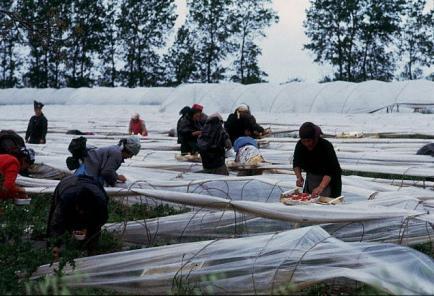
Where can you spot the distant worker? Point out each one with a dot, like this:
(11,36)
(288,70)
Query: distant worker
(317,157)
(10,167)
(102,163)
(212,144)
(137,126)
(38,124)
(79,207)
(234,127)
(190,128)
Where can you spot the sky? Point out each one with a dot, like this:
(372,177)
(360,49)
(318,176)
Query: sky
(282,54)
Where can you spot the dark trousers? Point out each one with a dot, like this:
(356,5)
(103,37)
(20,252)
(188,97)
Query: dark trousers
(188,147)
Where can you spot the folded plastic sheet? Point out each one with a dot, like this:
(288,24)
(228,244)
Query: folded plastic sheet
(265,264)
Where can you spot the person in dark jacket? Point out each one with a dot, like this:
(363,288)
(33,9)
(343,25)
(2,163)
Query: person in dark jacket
(239,121)
(37,127)
(184,112)
(102,163)
(79,207)
(212,145)
(189,128)
(317,157)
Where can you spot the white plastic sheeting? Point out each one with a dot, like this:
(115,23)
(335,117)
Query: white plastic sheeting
(225,207)
(265,264)
(84,96)
(336,97)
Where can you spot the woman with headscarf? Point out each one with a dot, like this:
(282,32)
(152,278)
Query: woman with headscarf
(317,157)
(212,144)
(137,126)
(102,163)
(189,128)
(242,120)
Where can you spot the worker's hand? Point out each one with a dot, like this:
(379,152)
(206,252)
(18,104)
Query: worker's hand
(299,182)
(196,133)
(122,178)
(55,253)
(317,191)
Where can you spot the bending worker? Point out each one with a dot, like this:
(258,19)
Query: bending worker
(79,205)
(102,163)
(10,167)
(317,157)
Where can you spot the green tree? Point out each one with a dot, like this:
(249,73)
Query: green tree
(44,23)
(84,41)
(252,18)
(109,53)
(354,36)
(416,40)
(143,29)
(9,38)
(212,24)
(180,60)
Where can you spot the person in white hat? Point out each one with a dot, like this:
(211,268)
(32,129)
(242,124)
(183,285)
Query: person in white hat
(241,120)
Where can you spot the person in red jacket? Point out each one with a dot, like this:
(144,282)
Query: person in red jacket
(137,126)
(10,167)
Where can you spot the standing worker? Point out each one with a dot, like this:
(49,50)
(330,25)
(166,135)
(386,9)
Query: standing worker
(38,124)
(317,157)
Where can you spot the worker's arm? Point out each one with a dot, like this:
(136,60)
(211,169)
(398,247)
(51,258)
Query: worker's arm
(300,180)
(323,185)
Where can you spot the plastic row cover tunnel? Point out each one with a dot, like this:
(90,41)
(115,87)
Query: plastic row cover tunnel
(259,264)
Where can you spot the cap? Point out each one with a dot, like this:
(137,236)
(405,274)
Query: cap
(37,105)
(132,145)
(197,107)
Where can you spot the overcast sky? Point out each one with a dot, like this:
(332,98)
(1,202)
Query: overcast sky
(282,54)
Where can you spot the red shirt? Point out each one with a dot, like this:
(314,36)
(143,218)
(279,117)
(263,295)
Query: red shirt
(9,168)
(137,127)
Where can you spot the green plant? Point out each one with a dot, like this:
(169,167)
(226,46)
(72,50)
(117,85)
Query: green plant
(120,212)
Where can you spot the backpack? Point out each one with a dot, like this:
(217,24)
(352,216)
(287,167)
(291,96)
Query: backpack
(77,147)
(10,142)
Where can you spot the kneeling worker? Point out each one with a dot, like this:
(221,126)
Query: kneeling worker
(79,207)
(317,157)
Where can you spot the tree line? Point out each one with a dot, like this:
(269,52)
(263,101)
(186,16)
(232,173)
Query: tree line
(371,39)
(84,43)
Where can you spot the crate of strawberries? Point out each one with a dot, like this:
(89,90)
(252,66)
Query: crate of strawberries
(295,197)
